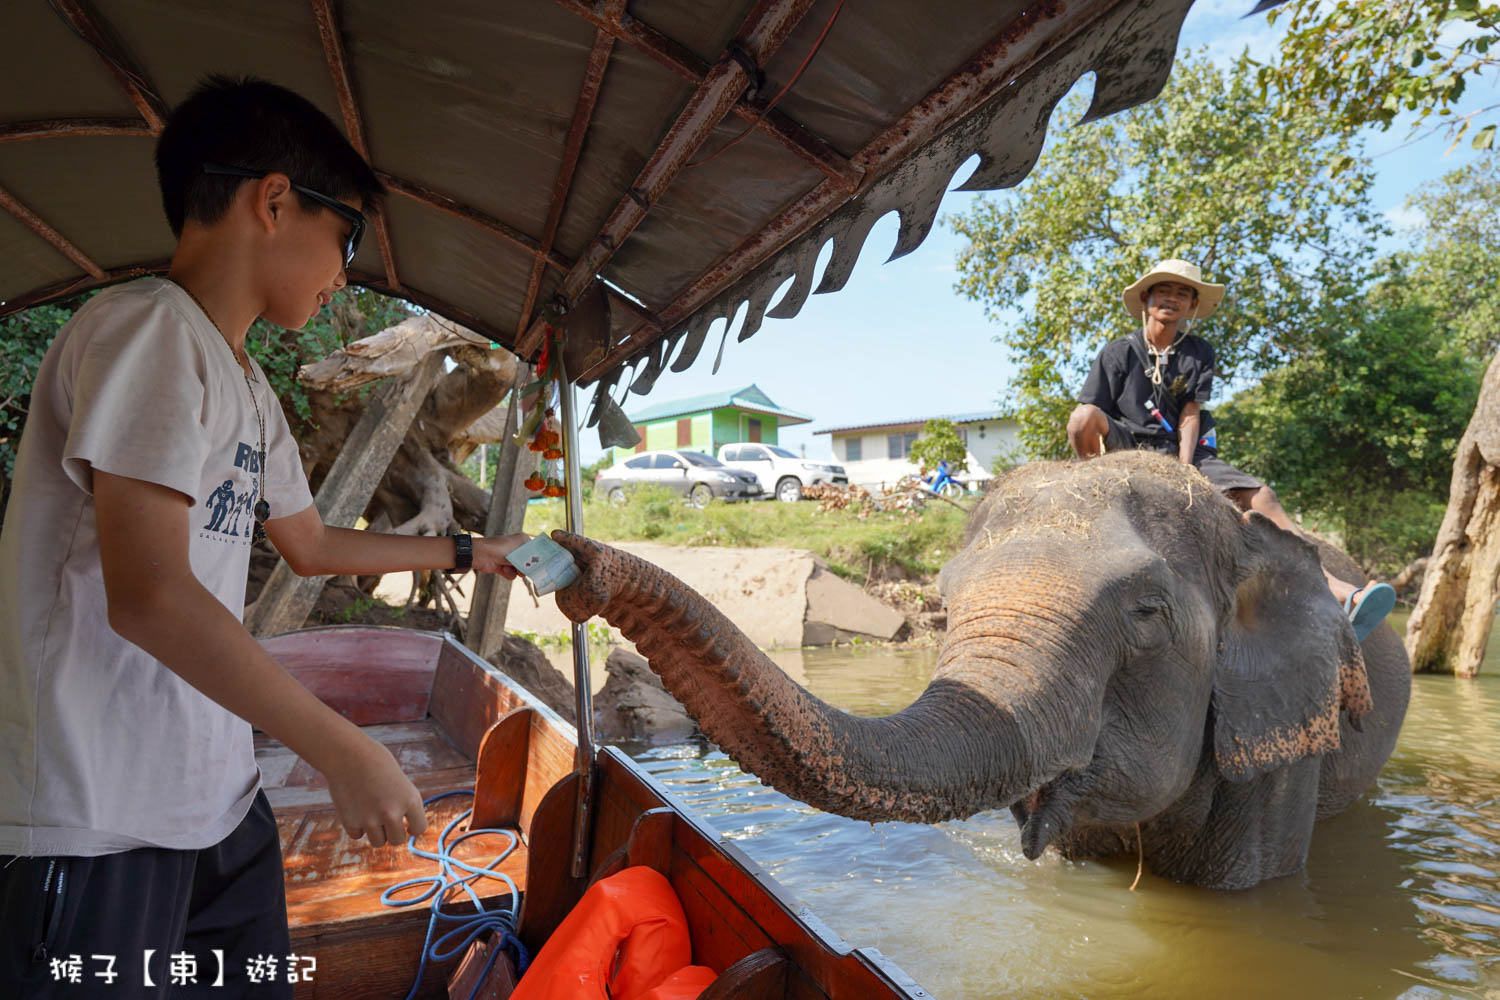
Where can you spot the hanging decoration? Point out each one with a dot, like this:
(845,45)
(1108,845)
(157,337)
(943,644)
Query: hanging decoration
(540,431)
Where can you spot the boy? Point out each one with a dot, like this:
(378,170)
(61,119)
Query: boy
(1147,390)
(131,816)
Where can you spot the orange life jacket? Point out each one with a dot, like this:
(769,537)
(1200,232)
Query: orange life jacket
(624,940)
(684,984)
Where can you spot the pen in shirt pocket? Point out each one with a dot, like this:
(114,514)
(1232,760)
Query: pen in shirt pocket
(1150,405)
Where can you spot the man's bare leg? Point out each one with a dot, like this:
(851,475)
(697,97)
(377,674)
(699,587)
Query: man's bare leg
(1264,501)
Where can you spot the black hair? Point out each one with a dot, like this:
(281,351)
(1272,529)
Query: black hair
(254,124)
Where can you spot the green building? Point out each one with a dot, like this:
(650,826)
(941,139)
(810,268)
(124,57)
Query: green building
(703,423)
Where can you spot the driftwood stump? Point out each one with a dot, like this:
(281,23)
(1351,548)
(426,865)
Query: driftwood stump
(286,599)
(392,456)
(507,513)
(1451,625)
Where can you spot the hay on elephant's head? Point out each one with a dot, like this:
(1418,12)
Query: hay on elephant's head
(1066,498)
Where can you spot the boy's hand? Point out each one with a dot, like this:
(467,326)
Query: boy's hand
(490,553)
(373,798)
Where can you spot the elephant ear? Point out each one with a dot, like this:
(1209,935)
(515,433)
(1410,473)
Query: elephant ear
(1288,660)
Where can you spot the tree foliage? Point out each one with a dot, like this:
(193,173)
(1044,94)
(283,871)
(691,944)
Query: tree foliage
(354,313)
(1206,172)
(1454,266)
(940,442)
(24,339)
(1367,62)
(1361,431)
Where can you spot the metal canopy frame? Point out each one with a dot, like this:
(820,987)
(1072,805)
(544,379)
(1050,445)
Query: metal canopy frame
(893,135)
(905,138)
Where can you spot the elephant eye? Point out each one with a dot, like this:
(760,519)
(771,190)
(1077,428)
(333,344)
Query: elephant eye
(1148,609)
(1152,621)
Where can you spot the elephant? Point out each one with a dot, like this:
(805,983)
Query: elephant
(1132,667)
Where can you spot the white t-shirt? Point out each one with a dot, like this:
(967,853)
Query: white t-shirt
(102,748)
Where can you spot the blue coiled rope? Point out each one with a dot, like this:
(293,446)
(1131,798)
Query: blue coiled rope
(469,925)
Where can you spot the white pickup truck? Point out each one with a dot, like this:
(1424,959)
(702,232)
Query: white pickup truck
(780,472)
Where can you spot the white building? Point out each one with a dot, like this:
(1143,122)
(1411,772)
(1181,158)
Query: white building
(879,454)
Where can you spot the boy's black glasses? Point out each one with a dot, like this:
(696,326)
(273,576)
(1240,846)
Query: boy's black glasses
(355,217)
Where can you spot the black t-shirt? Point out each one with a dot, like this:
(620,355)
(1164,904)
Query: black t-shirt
(1120,385)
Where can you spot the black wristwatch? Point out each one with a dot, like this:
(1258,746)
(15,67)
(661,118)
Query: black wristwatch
(463,552)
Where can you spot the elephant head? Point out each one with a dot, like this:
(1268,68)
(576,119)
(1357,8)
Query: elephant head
(1130,665)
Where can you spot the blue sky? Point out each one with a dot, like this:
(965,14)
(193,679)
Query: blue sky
(846,358)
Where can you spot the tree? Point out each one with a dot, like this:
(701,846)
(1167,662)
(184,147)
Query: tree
(423,491)
(1205,172)
(1450,626)
(354,313)
(1366,63)
(1360,432)
(24,339)
(940,443)
(1457,272)
(1455,267)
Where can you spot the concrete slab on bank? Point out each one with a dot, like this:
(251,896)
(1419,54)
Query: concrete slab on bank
(778,597)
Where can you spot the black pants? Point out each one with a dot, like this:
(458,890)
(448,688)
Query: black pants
(1220,473)
(80,927)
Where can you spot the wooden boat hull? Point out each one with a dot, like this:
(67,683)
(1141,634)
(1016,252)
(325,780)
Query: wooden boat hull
(451,719)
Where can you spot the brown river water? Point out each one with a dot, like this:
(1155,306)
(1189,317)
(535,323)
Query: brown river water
(1400,898)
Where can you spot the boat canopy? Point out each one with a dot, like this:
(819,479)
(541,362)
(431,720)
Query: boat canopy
(642,171)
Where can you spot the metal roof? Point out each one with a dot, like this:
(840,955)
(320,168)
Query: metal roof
(566,152)
(957,418)
(749,398)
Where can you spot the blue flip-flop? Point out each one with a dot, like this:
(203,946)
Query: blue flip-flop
(1374,602)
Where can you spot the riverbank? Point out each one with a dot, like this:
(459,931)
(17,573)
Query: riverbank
(892,556)
(778,597)
(863,547)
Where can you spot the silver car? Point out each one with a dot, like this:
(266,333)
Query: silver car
(698,477)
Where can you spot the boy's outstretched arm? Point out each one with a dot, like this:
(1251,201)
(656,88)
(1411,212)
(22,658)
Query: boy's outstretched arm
(312,548)
(157,603)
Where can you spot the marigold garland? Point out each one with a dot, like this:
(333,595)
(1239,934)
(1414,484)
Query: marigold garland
(542,427)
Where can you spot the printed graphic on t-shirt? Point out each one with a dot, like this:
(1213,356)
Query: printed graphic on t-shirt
(227,506)
(1179,385)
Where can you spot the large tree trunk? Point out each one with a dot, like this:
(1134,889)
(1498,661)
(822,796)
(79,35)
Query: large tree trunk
(286,599)
(422,492)
(419,491)
(1448,630)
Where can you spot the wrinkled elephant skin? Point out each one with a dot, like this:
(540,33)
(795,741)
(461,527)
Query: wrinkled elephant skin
(1130,665)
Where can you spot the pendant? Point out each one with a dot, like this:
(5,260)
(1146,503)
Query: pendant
(262,511)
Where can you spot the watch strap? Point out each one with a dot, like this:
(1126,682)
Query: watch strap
(463,552)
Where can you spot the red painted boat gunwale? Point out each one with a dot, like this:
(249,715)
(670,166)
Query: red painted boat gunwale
(743,923)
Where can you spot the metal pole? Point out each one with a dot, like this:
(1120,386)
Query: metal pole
(582,689)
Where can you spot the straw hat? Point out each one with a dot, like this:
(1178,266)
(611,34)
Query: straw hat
(1174,270)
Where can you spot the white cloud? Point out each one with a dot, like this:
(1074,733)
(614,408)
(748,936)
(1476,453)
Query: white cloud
(1221,27)
(1404,217)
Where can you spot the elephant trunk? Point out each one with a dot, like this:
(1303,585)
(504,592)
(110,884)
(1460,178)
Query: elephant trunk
(983,735)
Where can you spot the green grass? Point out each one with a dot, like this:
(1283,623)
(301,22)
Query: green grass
(917,543)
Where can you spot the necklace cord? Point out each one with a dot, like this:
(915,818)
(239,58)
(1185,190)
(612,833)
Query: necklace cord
(262,510)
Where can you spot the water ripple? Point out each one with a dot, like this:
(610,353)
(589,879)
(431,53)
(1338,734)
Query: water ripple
(1400,897)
